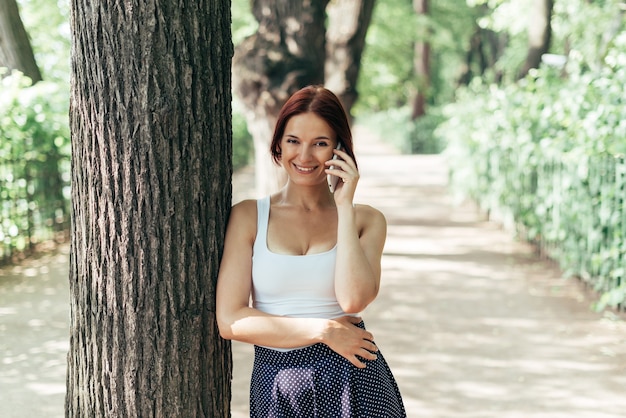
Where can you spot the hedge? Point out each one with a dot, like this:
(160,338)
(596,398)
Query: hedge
(547,154)
(34,164)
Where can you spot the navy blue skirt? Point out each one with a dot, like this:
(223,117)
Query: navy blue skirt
(317,382)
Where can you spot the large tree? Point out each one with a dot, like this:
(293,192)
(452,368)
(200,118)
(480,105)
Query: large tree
(151,172)
(16,52)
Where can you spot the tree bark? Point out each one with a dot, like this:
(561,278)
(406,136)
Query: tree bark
(539,34)
(286,54)
(151,174)
(421,65)
(16,53)
(348,21)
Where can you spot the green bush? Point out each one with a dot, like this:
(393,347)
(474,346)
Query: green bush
(547,156)
(409,137)
(423,137)
(242,141)
(34,163)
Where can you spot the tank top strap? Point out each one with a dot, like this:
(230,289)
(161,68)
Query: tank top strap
(263,216)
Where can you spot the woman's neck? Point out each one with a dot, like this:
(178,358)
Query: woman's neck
(308,198)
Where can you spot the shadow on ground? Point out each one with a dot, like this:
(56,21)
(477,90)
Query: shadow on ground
(34,337)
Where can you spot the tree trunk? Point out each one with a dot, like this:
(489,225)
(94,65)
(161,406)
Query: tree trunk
(348,21)
(286,54)
(539,34)
(421,65)
(151,174)
(16,52)
(486,47)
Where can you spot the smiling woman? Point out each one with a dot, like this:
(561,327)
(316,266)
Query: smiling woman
(322,104)
(309,260)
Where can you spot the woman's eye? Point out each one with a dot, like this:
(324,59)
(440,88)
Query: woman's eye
(291,141)
(322,144)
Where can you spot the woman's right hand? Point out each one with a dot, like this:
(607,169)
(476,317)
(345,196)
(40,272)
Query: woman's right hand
(343,336)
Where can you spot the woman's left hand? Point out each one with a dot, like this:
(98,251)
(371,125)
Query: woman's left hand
(345,168)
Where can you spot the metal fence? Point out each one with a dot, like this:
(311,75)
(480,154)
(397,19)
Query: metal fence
(34,199)
(571,206)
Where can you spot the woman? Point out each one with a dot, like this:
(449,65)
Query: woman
(309,260)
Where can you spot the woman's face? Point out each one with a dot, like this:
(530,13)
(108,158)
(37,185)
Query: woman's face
(307,143)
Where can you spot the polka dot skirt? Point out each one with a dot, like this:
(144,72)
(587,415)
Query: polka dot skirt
(316,382)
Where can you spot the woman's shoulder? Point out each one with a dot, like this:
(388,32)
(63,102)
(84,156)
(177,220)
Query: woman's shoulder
(243,211)
(243,219)
(370,215)
(368,210)
(244,206)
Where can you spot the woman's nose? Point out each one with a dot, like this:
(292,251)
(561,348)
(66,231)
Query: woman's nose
(305,153)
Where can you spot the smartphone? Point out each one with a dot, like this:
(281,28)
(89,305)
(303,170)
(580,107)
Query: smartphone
(332,180)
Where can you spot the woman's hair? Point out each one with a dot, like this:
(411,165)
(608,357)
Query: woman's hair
(323,103)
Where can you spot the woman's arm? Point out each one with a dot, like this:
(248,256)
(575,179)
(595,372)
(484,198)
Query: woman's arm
(238,321)
(361,234)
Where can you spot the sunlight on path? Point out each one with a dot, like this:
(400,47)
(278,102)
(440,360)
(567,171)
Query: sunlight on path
(34,337)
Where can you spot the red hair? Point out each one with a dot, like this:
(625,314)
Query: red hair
(325,104)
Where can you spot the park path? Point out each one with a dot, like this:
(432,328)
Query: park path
(472,323)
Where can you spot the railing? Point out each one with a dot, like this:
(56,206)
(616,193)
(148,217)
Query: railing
(34,199)
(34,165)
(571,206)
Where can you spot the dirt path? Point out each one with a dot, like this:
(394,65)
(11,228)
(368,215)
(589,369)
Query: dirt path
(472,324)
(34,338)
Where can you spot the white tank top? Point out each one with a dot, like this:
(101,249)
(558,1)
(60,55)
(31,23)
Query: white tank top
(292,285)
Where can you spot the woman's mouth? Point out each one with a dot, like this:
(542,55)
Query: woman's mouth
(304,170)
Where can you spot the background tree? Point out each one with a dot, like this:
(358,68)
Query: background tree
(285,54)
(485,48)
(539,34)
(16,52)
(150,125)
(348,22)
(388,78)
(421,62)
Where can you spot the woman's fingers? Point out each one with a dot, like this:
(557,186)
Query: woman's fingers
(352,342)
(341,169)
(358,359)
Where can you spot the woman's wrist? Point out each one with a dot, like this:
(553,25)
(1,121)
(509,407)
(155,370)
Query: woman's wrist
(321,327)
(346,207)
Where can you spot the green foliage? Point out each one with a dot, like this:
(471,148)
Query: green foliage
(34,163)
(548,155)
(386,66)
(574,35)
(409,137)
(424,138)
(242,140)
(47,24)
(392,125)
(243,23)
(387,79)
